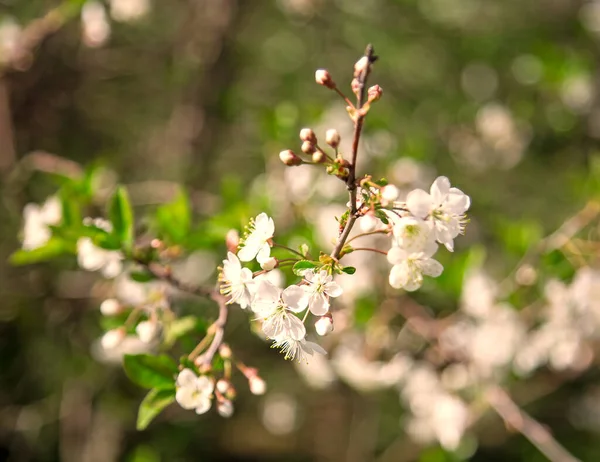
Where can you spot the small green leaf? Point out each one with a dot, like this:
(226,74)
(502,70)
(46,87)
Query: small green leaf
(302,266)
(304,249)
(142,276)
(382,216)
(53,248)
(121,216)
(152,405)
(174,219)
(149,371)
(181,327)
(349,270)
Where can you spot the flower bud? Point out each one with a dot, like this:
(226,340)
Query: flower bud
(268,264)
(355,85)
(110,307)
(324,325)
(289,158)
(225,351)
(257,385)
(147,331)
(361,66)
(332,137)
(323,77)
(222,386)
(308,147)
(232,240)
(225,408)
(368,223)
(306,134)
(389,193)
(374,93)
(112,338)
(319,157)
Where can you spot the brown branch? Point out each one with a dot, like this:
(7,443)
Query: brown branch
(530,428)
(351,185)
(165,274)
(219,329)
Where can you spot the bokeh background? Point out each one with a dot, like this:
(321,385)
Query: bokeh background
(500,96)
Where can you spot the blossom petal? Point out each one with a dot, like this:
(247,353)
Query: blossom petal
(419,203)
(440,189)
(205,385)
(396,255)
(247,252)
(204,404)
(333,289)
(398,276)
(186,378)
(318,304)
(188,398)
(295,298)
(457,202)
(431,267)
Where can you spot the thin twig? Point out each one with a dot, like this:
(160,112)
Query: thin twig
(530,428)
(218,326)
(370,249)
(358,124)
(285,247)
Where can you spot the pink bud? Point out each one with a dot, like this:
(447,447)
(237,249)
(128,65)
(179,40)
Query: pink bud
(257,385)
(225,351)
(225,408)
(332,137)
(374,93)
(323,77)
(146,331)
(306,134)
(319,157)
(361,66)
(222,386)
(308,147)
(324,325)
(112,338)
(110,307)
(232,240)
(289,158)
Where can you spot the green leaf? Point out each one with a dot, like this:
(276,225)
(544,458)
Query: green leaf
(152,405)
(174,219)
(181,327)
(302,266)
(142,276)
(304,249)
(349,270)
(121,216)
(149,371)
(382,216)
(53,248)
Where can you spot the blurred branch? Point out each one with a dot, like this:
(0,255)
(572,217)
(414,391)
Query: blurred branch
(419,320)
(530,428)
(557,240)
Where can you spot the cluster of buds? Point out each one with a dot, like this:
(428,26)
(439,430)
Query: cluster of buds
(336,164)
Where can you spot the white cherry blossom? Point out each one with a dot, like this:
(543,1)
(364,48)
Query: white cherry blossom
(409,268)
(276,308)
(444,207)
(297,349)
(319,288)
(256,243)
(236,282)
(94,258)
(37,219)
(194,392)
(412,234)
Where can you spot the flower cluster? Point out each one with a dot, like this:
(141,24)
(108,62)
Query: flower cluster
(278,309)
